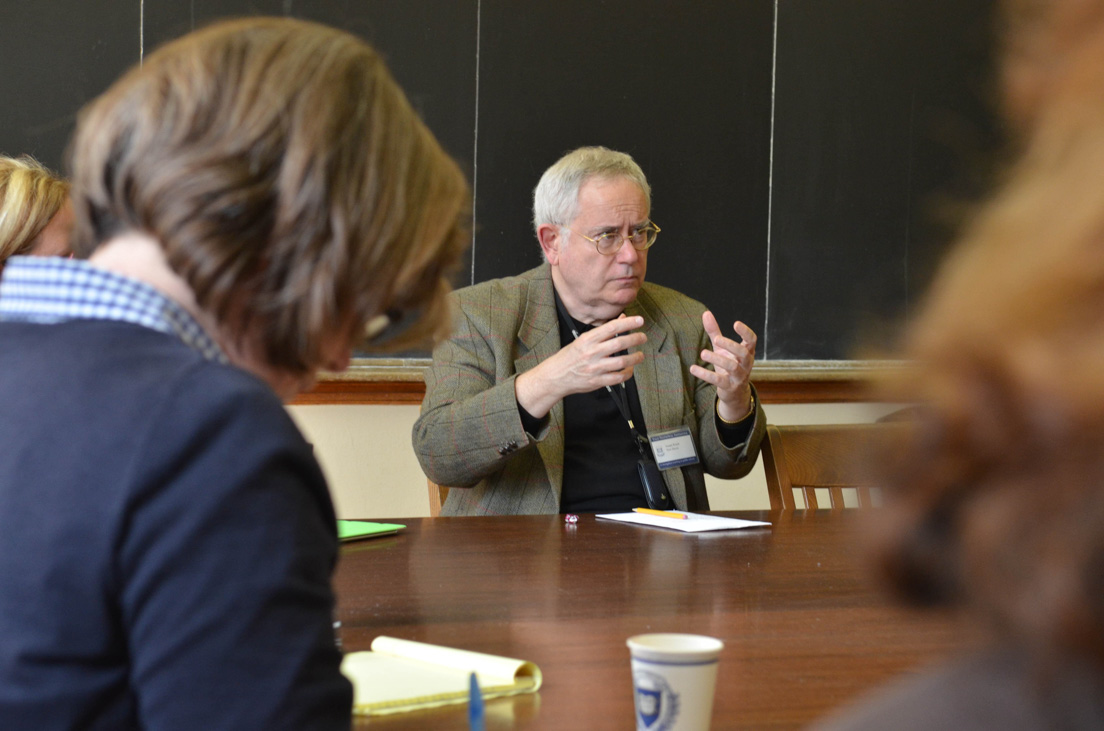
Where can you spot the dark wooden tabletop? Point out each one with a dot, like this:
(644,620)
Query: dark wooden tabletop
(804,630)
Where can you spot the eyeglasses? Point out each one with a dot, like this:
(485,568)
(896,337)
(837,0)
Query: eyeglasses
(610,242)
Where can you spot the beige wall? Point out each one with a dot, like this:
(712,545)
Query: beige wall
(366,454)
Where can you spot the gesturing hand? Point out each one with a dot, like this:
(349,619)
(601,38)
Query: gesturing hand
(732,362)
(584,365)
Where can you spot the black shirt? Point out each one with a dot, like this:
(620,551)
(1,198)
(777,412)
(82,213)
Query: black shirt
(600,453)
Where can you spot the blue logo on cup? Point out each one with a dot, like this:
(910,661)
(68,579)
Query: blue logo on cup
(657,706)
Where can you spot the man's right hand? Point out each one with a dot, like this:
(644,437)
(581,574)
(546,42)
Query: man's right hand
(586,364)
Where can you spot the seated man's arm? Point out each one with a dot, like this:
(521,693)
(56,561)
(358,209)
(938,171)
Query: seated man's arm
(597,358)
(470,424)
(731,421)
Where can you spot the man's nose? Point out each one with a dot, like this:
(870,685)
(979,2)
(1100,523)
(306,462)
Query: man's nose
(627,254)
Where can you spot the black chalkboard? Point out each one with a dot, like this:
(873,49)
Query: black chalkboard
(881,116)
(798,151)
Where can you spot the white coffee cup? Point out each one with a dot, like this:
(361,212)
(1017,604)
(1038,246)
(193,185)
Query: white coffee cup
(673,680)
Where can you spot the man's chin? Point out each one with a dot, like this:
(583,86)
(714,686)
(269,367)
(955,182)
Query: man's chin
(625,291)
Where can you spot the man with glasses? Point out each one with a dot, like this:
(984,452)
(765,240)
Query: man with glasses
(578,387)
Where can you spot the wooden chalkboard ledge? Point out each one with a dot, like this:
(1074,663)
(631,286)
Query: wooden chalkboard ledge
(402,381)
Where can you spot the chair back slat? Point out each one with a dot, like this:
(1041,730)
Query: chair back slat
(835,458)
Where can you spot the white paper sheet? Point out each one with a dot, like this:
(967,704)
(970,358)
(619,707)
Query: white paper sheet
(692,523)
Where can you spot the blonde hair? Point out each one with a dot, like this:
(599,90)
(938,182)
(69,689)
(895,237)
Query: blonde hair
(30,196)
(285,175)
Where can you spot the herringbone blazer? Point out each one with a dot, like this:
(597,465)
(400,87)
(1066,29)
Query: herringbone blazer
(470,435)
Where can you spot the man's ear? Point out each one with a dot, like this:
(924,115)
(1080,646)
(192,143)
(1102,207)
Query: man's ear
(550,242)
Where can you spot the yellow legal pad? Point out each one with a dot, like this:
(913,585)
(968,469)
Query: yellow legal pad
(402,675)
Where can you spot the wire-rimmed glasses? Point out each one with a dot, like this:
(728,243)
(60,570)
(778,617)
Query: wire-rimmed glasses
(610,242)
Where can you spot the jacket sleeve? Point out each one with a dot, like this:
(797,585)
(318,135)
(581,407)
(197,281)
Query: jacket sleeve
(470,425)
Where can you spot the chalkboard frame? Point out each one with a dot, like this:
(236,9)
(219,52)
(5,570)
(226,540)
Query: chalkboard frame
(401,381)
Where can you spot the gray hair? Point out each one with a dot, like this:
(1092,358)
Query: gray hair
(556,197)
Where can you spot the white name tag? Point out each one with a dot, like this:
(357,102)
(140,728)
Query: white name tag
(673,448)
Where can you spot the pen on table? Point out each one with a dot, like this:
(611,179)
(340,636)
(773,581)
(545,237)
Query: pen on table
(475,706)
(661,513)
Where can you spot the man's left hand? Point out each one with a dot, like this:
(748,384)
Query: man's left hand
(732,362)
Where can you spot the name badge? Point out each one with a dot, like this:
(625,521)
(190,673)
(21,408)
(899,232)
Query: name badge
(673,448)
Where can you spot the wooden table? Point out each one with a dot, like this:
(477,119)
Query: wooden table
(803,630)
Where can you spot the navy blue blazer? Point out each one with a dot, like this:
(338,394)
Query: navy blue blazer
(166,541)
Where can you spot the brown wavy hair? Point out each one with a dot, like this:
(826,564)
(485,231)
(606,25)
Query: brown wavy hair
(30,196)
(285,175)
(999,504)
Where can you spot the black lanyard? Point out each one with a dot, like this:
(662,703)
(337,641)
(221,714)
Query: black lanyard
(651,481)
(620,397)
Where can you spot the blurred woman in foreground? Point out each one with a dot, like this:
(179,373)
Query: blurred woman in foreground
(253,201)
(998,509)
(35,215)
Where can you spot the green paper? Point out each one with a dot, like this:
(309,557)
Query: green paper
(351,530)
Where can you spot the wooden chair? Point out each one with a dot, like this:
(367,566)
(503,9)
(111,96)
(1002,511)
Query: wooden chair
(437,496)
(834,457)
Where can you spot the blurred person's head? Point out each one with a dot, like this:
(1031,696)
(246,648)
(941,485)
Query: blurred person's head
(35,215)
(288,184)
(999,505)
(1040,39)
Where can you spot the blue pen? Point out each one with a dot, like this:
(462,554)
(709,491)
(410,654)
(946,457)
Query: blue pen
(475,706)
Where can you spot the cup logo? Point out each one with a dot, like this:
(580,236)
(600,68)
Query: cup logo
(657,706)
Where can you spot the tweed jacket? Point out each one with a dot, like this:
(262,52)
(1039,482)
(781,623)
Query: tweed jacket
(470,434)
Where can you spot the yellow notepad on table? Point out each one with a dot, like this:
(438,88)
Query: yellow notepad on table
(402,675)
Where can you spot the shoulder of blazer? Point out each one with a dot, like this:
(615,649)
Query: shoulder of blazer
(520,304)
(503,289)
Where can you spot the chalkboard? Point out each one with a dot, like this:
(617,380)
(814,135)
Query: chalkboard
(798,150)
(882,121)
